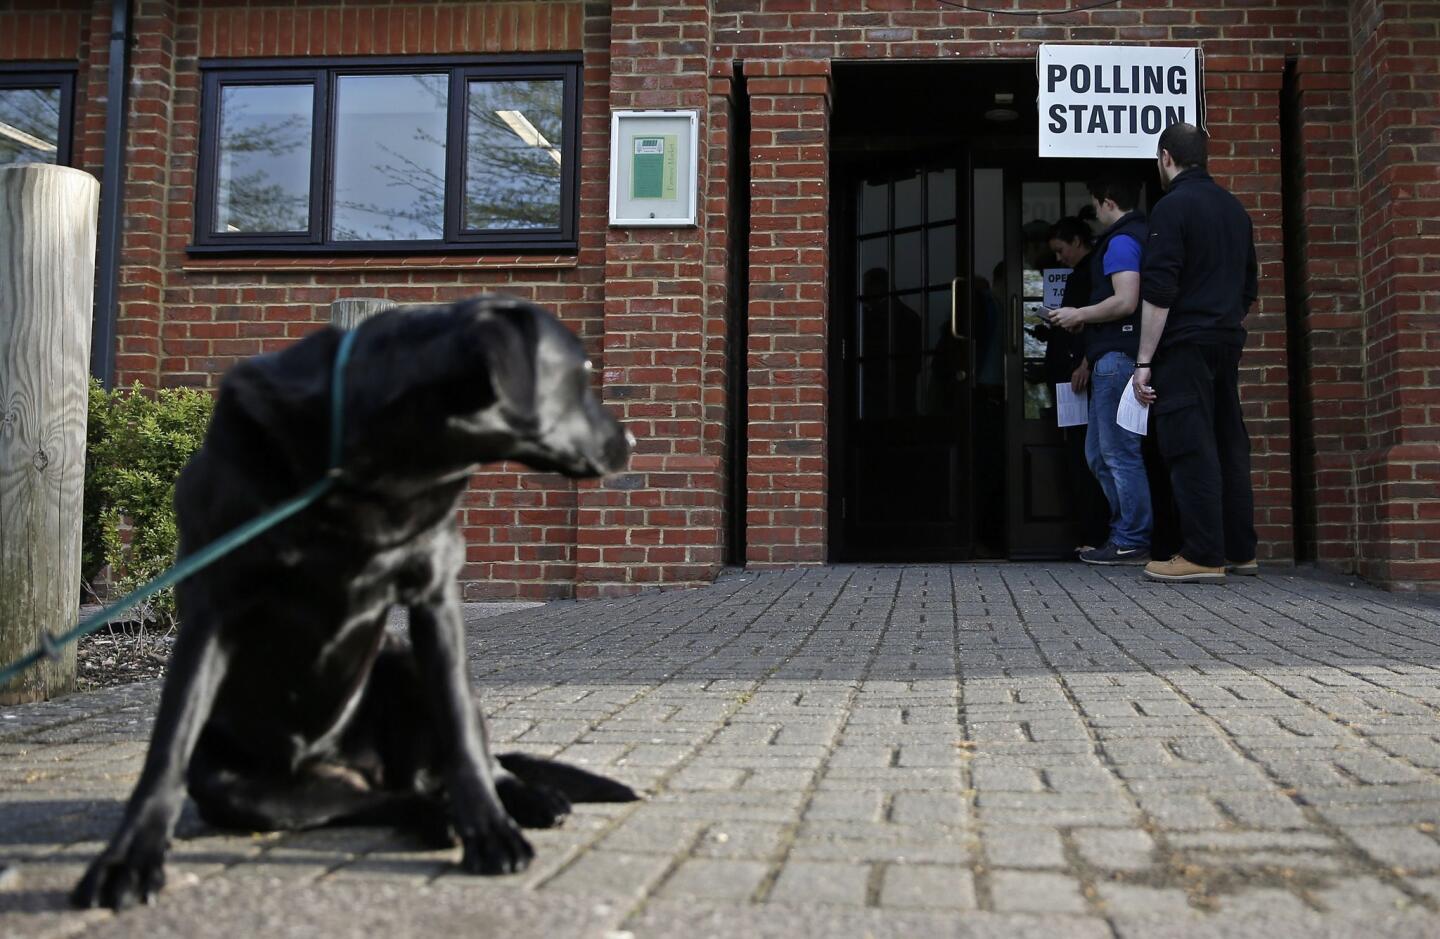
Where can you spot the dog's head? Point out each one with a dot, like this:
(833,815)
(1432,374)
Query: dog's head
(528,395)
(430,391)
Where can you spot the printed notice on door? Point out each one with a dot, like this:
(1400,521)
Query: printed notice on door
(654,170)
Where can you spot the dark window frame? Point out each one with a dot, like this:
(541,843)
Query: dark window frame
(49,74)
(323,75)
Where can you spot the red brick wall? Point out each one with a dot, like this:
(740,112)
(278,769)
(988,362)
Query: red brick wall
(1397,97)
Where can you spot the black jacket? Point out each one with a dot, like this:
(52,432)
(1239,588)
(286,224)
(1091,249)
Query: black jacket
(1122,335)
(1199,262)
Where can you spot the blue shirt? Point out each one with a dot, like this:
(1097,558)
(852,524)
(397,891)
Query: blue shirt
(1122,254)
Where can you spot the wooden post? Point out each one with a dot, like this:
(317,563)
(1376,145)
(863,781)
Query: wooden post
(47,289)
(352,311)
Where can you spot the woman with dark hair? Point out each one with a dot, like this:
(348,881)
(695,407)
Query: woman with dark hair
(1071,239)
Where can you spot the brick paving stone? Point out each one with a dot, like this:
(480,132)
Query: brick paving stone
(1035,892)
(1120,899)
(1023,847)
(715,879)
(1125,849)
(1404,847)
(913,886)
(819,882)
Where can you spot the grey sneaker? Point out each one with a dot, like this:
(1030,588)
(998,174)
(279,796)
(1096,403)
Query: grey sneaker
(1111,555)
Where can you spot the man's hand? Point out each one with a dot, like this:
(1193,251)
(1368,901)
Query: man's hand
(1143,391)
(1067,317)
(1080,378)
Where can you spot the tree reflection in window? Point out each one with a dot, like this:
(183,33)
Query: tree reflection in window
(512,155)
(390,157)
(29,125)
(264,176)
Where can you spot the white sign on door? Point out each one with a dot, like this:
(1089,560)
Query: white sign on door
(1114,101)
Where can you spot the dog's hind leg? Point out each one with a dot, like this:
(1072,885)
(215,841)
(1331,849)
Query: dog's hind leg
(319,794)
(576,784)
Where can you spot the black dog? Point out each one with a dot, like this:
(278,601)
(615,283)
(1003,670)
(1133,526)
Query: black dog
(287,705)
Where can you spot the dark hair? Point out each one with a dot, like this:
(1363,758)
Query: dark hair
(1069,228)
(1123,190)
(1186,144)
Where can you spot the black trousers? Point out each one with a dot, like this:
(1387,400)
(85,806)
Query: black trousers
(1202,438)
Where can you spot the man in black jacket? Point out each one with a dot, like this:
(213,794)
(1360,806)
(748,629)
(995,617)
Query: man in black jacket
(1198,281)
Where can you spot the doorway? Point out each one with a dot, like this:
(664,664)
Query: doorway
(945,443)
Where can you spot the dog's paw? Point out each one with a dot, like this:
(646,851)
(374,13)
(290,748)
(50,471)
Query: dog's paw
(532,806)
(120,880)
(496,848)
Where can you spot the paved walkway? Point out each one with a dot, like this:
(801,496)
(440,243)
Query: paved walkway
(992,750)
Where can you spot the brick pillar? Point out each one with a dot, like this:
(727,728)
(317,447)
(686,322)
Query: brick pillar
(1395,87)
(1325,289)
(146,177)
(660,522)
(1242,104)
(787,479)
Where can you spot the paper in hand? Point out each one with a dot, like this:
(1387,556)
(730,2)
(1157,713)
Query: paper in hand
(1071,408)
(1132,415)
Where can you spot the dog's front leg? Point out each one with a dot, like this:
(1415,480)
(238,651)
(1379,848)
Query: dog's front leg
(492,843)
(132,867)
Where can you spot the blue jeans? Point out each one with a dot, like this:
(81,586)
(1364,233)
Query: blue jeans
(1114,454)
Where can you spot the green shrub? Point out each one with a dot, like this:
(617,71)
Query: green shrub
(136,444)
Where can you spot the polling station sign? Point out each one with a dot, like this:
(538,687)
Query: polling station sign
(1113,101)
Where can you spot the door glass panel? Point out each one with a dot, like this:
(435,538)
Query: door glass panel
(909,210)
(940,199)
(910,260)
(874,207)
(940,255)
(874,266)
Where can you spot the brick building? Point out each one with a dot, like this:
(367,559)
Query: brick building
(836,138)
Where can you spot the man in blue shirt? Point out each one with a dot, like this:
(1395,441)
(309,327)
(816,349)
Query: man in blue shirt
(1111,325)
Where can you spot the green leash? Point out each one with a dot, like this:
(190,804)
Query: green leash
(50,646)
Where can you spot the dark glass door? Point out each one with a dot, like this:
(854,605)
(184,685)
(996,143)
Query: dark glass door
(906,355)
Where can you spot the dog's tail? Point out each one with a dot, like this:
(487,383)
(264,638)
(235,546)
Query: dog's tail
(576,784)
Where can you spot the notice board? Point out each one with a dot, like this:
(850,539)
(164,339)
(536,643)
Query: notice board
(654,167)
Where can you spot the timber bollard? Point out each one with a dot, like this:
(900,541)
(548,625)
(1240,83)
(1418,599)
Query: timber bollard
(47,290)
(352,311)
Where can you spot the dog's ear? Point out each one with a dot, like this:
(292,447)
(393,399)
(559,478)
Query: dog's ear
(504,342)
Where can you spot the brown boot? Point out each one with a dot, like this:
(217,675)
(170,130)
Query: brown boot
(1177,570)
(1249,568)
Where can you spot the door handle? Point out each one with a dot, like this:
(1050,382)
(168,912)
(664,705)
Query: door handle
(955,307)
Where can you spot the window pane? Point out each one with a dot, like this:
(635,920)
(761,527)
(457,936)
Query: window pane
(263,182)
(29,125)
(390,157)
(512,155)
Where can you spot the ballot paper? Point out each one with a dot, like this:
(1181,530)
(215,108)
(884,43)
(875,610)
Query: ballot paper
(1133,416)
(1071,407)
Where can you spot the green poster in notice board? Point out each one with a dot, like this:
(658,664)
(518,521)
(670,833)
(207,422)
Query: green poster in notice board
(654,173)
